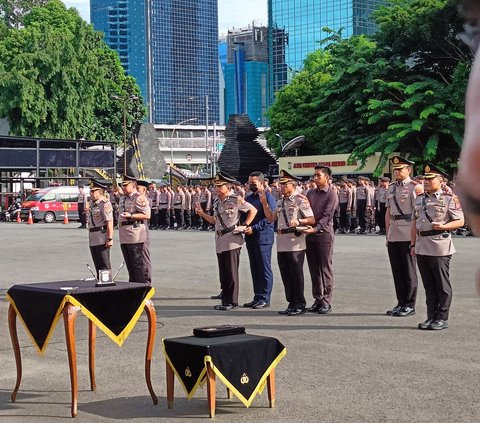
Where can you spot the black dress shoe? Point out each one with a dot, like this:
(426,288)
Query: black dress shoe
(325,309)
(285,312)
(314,308)
(425,325)
(394,310)
(250,304)
(438,325)
(296,311)
(405,311)
(260,305)
(217,297)
(224,307)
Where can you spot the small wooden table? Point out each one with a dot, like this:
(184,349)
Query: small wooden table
(40,305)
(244,363)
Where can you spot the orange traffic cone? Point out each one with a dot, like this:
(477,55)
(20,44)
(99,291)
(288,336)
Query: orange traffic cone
(18,220)
(30,218)
(65,218)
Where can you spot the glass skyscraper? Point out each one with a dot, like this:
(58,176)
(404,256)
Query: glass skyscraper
(171,48)
(295,29)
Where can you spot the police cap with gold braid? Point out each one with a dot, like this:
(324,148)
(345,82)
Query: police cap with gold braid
(431,171)
(399,162)
(94,185)
(143,183)
(286,177)
(222,178)
(127,179)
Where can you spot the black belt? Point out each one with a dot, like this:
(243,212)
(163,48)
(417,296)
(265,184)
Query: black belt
(402,217)
(176,204)
(131,222)
(98,229)
(221,232)
(163,203)
(445,234)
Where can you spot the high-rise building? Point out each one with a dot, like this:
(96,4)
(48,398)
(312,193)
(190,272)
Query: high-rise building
(170,47)
(296,28)
(246,73)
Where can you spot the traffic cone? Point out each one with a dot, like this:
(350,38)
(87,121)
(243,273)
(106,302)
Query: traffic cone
(30,218)
(18,220)
(65,218)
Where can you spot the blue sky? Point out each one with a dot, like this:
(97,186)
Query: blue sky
(231,13)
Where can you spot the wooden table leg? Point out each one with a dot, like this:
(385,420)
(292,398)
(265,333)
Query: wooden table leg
(12,326)
(92,330)
(152,327)
(229,393)
(211,390)
(69,315)
(271,388)
(170,385)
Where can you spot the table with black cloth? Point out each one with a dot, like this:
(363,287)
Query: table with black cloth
(244,363)
(114,309)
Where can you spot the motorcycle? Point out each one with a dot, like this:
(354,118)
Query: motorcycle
(10,215)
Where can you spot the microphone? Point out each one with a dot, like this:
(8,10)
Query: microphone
(116,274)
(91,271)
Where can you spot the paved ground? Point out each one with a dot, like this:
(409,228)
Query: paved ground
(355,365)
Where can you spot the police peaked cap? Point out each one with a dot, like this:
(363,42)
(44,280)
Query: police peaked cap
(286,177)
(222,178)
(431,171)
(94,185)
(399,162)
(127,179)
(143,183)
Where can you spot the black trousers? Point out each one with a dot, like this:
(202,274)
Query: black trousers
(435,273)
(380,216)
(164,215)
(290,264)
(187,214)
(228,272)
(179,218)
(101,257)
(345,217)
(361,214)
(81,214)
(404,272)
(205,224)
(133,256)
(154,219)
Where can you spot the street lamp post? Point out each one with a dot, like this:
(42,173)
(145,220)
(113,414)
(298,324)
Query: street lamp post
(173,132)
(206,133)
(125,100)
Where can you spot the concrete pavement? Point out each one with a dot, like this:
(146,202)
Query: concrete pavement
(354,365)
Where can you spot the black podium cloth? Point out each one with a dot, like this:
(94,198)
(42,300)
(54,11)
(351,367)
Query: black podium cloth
(114,309)
(242,362)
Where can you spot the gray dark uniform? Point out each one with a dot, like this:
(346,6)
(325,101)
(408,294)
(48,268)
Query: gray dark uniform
(133,234)
(101,212)
(434,250)
(400,204)
(228,245)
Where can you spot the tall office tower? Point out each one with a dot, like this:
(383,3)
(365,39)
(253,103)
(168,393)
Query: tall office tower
(246,73)
(295,29)
(170,47)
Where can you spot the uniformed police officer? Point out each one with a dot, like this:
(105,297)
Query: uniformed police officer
(100,226)
(291,211)
(398,221)
(436,214)
(142,187)
(228,243)
(134,210)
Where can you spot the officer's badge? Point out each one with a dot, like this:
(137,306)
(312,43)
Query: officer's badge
(427,169)
(108,208)
(282,173)
(188,372)
(396,161)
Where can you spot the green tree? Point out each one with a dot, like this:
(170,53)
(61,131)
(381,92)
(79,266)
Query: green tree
(58,79)
(12,12)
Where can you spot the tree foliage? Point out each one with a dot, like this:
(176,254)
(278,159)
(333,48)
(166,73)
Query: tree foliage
(401,90)
(58,79)
(12,12)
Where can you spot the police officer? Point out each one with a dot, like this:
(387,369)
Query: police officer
(142,187)
(381,203)
(291,211)
(436,214)
(228,243)
(134,210)
(401,198)
(100,226)
(345,199)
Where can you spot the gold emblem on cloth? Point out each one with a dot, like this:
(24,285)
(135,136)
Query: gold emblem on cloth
(244,379)
(427,169)
(396,161)
(188,372)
